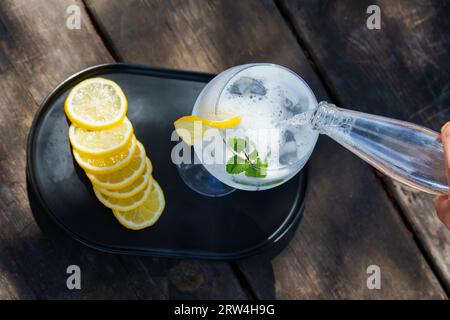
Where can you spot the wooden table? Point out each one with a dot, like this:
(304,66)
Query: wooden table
(354,217)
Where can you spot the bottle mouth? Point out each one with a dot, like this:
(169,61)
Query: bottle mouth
(322,116)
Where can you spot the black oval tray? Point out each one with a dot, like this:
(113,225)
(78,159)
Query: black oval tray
(194,226)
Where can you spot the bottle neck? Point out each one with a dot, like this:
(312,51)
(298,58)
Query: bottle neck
(327,118)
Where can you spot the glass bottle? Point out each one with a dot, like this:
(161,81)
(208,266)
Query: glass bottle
(406,152)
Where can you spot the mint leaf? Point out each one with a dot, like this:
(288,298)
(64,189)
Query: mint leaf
(258,169)
(252,165)
(253,155)
(262,164)
(237,144)
(254,171)
(236,165)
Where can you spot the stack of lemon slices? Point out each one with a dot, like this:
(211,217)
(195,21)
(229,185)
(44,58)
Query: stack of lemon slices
(104,145)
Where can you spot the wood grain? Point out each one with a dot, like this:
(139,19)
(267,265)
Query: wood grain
(349,222)
(401,70)
(36,52)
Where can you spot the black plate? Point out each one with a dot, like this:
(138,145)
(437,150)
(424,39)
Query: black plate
(231,227)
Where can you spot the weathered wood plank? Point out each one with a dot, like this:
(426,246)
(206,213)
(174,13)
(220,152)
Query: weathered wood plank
(401,70)
(36,52)
(344,231)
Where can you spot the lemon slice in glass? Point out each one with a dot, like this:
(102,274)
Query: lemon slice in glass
(146,214)
(192,128)
(96,104)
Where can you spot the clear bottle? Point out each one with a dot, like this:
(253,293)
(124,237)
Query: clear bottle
(406,152)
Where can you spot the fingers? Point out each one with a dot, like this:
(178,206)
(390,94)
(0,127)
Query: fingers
(442,204)
(445,137)
(445,126)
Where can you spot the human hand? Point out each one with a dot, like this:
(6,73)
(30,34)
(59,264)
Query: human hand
(442,202)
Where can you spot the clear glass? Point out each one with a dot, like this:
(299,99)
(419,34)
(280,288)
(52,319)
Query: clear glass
(280,124)
(264,95)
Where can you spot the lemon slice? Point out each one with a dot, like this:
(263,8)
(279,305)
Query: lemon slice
(192,128)
(108,164)
(124,177)
(101,142)
(146,214)
(138,185)
(96,104)
(124,204)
